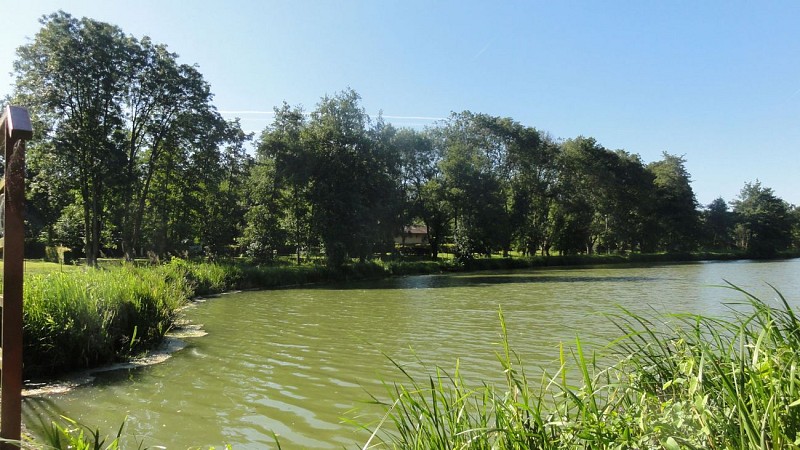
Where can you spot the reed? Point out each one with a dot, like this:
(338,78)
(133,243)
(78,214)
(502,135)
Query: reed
(690,382)
(80,319)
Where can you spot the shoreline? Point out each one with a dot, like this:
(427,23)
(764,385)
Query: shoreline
(237,277)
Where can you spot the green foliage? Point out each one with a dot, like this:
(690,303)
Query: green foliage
(353,175)
(475,179)
(675,204)
(697,382)
(718,225)
(133,159)
(81,319)
(764,224)
(263,234)
(73,435)
(123,124)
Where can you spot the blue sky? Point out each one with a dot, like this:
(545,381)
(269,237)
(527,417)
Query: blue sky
(717,82)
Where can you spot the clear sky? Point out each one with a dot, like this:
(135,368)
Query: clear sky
(717,82)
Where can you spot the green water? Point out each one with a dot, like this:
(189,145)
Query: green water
(296,362)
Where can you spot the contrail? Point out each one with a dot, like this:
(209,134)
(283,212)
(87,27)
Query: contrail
(413,117)
(272,113)
(248,112)
(482,51)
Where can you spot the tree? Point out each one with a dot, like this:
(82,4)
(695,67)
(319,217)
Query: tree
(421,185)
(532,160)
(473,166)
(263,234)
(73,76)
(718,221)
(437,213)
(281,183)
(632,211)
(161,96)
(764,225)
(585,196)
(675,204)
(111,108)
(222,210)
(603,199)
(353,179)
(795,219)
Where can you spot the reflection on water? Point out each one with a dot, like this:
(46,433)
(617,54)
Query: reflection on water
(295,362)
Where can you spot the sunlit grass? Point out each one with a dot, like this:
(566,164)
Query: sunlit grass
(84,318)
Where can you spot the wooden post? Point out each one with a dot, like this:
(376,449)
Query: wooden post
(15,126)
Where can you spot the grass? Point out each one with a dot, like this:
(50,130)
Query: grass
(86,318)
(698,382)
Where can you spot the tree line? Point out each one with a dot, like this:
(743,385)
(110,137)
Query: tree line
(132,158)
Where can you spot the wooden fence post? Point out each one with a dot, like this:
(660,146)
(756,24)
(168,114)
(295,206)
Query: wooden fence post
(15,126)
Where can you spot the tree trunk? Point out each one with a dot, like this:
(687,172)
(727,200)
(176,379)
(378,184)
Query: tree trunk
(87,232)
(93,228)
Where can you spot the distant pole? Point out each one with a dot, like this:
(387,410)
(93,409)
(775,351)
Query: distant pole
(15,126)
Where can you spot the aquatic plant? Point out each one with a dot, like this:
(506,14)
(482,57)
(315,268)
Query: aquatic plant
(690,382)
(73,435)
(80,319)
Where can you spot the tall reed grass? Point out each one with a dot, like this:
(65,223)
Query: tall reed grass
(80,319)
(699,382)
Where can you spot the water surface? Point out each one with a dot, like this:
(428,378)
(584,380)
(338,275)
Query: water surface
(297,361)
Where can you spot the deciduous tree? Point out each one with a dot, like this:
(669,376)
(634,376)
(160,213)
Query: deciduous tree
(763,221)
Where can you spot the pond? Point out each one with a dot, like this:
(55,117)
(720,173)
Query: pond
(299,362)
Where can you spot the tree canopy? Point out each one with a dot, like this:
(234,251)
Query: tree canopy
(131,158)
(121,120)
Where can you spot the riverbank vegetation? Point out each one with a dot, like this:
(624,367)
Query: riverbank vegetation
(131,159)
(686,382)
(76,318)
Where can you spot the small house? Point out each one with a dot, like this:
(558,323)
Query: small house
(413,235)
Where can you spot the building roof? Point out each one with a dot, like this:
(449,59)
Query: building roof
(415,229)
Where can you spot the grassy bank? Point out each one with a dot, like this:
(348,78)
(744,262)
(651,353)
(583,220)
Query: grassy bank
(83,319)
(77,319)
(698,382)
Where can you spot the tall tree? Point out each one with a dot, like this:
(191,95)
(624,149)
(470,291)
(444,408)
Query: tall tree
(475,177)
(161,95)
(764,225)
(73,76)
(422,185)
(718,221)
(532,160)
(795,219)
(221,214)
(353,179)
(112,107)
(278,192)
(675,204)
(583,195)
